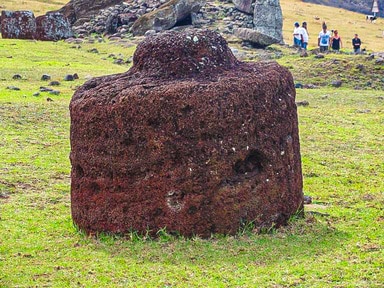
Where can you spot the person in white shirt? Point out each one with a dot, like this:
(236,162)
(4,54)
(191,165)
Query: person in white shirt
(297,35)
(305,36)
(323,39)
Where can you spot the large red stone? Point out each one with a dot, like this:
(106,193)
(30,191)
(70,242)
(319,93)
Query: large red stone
(18,25)
(52,27)
(189,139)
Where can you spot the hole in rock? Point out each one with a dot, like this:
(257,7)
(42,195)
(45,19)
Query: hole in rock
(253,162)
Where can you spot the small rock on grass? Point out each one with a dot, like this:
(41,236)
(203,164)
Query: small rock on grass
(16,77)
(336,83)
(45,77)
(14,88)
(307,199)
(4,195)
(298,85)
(68,77)
(54,92)
(45,89)
(302,103)
(54,83)
(93,50)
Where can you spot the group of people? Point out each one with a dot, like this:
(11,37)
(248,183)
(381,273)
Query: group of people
(326,39)
(300,35)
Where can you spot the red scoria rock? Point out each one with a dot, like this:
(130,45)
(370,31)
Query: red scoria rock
(189,139)
(52,27)
(18,25)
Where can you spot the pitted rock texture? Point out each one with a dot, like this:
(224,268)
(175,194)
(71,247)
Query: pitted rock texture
(246,6)
(18,25)
(268,18)
(166,16)
(53,26)
(78,11)
(201,144)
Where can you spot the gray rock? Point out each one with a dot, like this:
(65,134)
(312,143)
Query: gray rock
(68,77)
(336,83)
(304,103)
(54,83)
(45,89)
(310,86)
(244,5)
(167,16)
(45,77)
(268,18)
(93,50)
(307,199)
(17,77)
(54,92)
(255,37)
(14,88)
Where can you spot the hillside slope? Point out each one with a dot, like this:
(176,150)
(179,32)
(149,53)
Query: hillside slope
(346,22)
(360,6)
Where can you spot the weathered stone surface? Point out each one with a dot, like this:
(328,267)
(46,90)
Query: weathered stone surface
(166,16)
(52,27)
(189,139)
(244,5)
(18,24)
(268,18)
(256,38)
(80,11)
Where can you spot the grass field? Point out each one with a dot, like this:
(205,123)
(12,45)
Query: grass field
(339,243)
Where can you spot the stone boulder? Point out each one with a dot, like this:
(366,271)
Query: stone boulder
(189,139)
(18,24)
(80,11)
(166,16)
(268,18)
(52,27)
(256,38)
(244,5)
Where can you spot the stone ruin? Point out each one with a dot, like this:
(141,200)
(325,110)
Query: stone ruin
(257,22)
(189,139)
(24,25)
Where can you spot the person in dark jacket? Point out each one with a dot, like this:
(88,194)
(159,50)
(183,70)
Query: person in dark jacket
(356,42)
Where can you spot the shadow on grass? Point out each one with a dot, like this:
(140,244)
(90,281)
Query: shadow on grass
(301,239)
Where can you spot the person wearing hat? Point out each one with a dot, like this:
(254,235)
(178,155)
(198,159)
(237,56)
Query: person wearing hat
(297,35)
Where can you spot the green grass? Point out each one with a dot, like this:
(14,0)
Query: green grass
(338,244)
